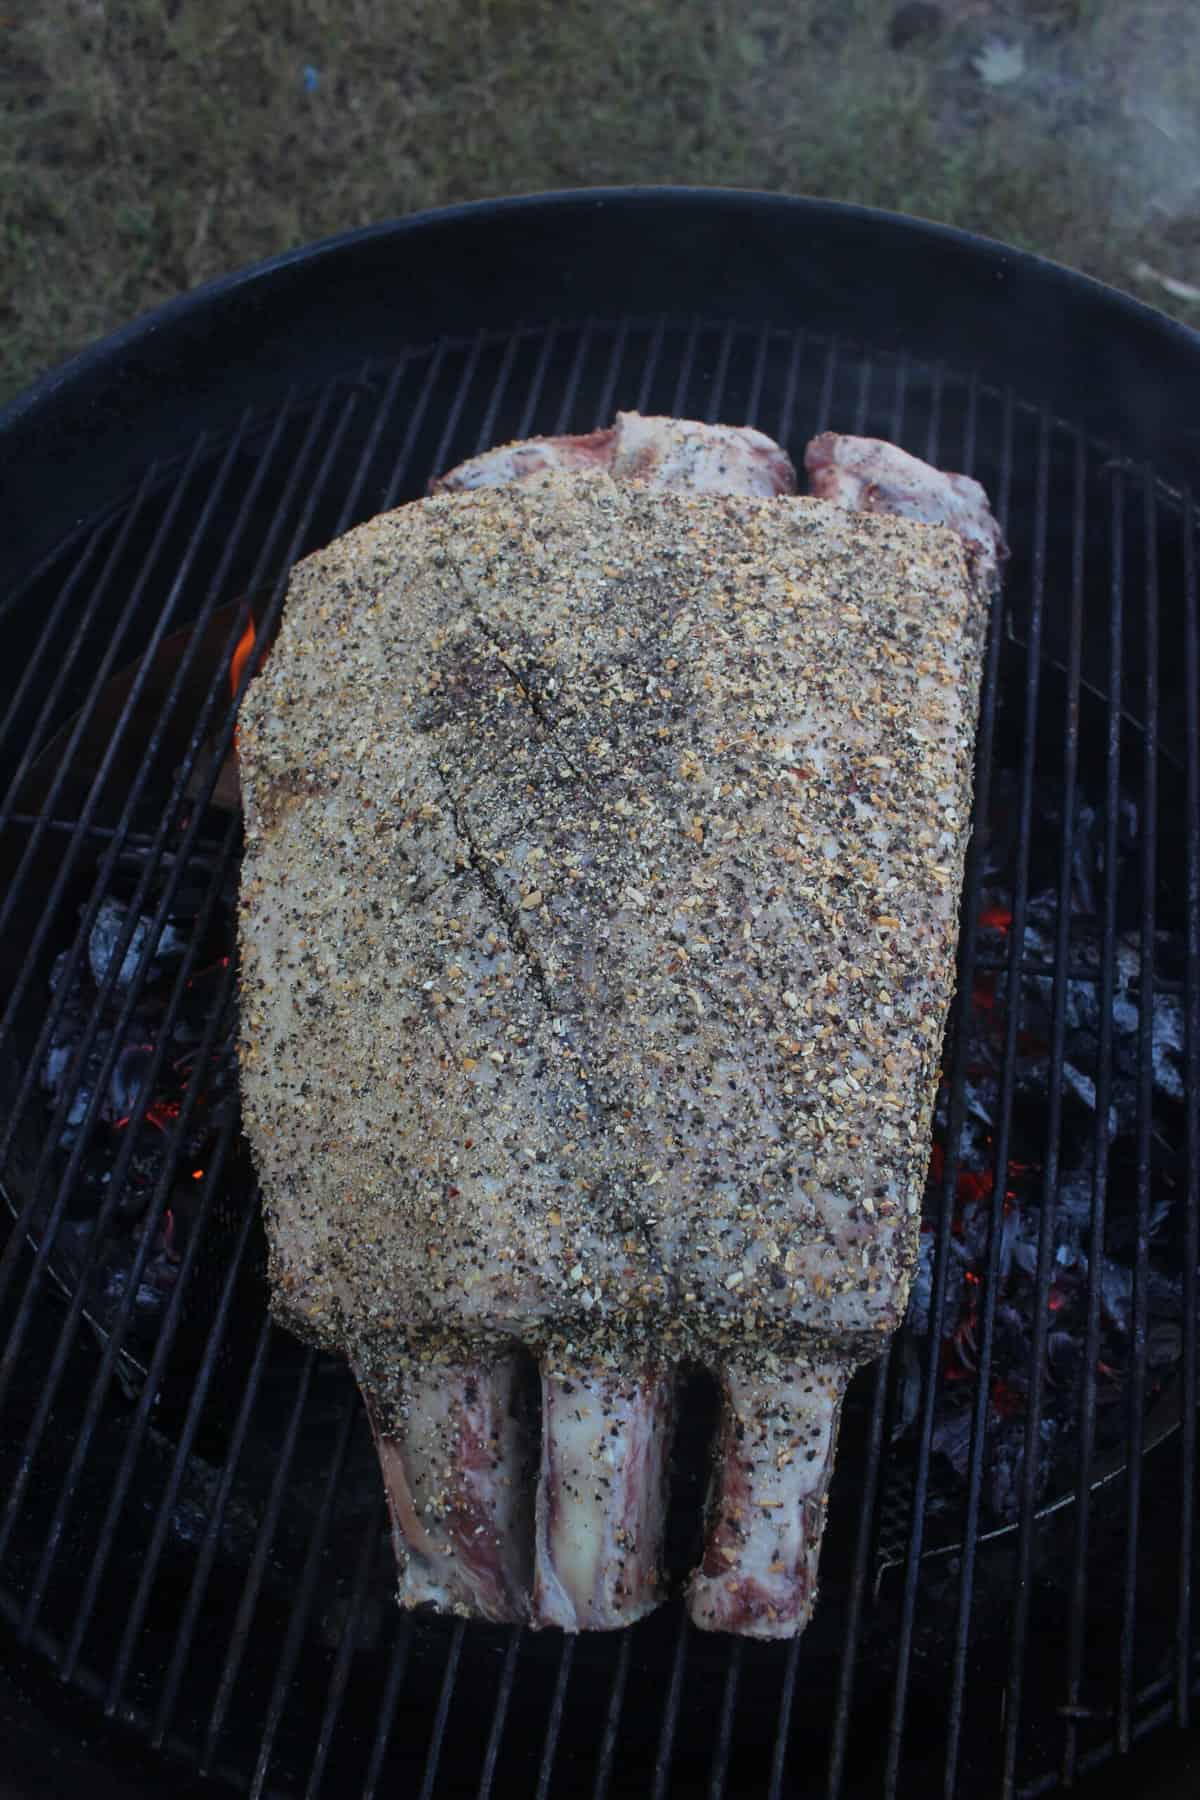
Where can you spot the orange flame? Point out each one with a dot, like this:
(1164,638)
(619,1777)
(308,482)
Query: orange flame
(245,645)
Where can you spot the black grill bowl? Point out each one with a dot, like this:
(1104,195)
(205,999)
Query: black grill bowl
(191,1529)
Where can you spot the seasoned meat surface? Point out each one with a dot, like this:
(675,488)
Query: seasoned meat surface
(598,924)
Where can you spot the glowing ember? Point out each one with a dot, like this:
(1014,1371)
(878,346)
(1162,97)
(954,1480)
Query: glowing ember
(1007,1401)
(162,1114)
(974,1185)
(984,993)
(240,656)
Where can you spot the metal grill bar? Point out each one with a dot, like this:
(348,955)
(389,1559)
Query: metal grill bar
(258,1565)
(956,1115)
(787,1695)
(116,1340)
(825,403)
(134,840)
(650,367)
(416,419)
(612,1720)
(554,1722)
(566,406)
(126,1014)
(1145,1102)
(862,408)
(382,414)
(720,1767)
(441,456)
(208,1549)
(434,1753)
(605,406)
(254,1577)
(1096,1759)
(862,404)
(1078,1610)
(1079,1580)
(1014,1688)
(222,1016)
(897,431)
(670,1716)
(687,357)
(858,1589)
(49,1232)
(716,397)
(371,1542)
(1185,1621)
(935,415)
(787,404)
(868,1501)
(533,398)
(54,900)
(368,1557)
(500,1712)
(454,371)
(100,782)
(754,398)
(485,437)
(100,889)
(105,1215)
(387,1710)
(82,635)
(302,1604)
(724,346)
(187,1438)
(35,675)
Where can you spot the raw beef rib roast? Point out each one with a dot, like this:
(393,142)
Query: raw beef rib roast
(605,822)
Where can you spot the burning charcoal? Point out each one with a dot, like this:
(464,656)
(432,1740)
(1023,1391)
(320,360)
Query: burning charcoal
(106,934)
(921,1293)
(1023,1261)
(1116,1293)
(1021,1217)
(1164,1345)
(161,1270)
(1008,1465)
(1084,1088)
(55,1073)
(1063,1358)
(196,1502)
(1073,1211)
(908,1380)
(1167,1046)
(126,1081)
(952,1437)
(54,1069)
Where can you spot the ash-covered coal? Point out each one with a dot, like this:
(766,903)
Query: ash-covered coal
(115,1075)
(1014,1204)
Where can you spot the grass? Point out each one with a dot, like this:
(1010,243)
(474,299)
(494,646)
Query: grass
(146,145)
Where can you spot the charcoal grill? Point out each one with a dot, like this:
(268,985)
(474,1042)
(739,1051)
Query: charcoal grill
(191,1533)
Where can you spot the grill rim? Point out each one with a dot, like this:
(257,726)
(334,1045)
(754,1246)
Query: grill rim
(70,443)
(664,1750)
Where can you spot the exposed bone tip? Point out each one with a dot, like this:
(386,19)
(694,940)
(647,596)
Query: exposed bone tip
(772,1468)
(601,1501)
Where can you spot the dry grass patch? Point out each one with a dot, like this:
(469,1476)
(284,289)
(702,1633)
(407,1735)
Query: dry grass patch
(146,145)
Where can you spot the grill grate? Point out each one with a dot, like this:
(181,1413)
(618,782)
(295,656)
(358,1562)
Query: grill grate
(242,1628)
